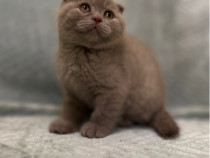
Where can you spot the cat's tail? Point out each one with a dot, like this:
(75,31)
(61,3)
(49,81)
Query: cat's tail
(164,125)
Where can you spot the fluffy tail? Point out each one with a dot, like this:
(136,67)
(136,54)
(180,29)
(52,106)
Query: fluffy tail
(164,125)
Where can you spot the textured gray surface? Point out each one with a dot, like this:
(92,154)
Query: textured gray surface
(23,133)
(177,32)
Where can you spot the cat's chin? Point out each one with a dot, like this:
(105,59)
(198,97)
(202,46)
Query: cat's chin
(94,32)
(90,34)
(98,32)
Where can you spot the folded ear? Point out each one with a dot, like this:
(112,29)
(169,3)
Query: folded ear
(121,7)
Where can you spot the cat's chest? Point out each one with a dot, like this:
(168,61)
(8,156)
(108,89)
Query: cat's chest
(83,74)
(83,68)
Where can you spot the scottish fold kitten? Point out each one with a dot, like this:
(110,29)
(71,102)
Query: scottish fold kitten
(108,77)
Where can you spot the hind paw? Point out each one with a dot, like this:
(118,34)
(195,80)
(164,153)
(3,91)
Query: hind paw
(169,132)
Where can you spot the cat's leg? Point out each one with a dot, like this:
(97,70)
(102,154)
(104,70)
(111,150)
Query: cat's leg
(72,115)
(107,113)
(125,121)
(152,112)
(160,120)
(164,124)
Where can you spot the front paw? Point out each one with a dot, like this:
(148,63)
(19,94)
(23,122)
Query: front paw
(61,126)
(92,130)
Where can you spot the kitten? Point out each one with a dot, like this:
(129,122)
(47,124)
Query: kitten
(107,73)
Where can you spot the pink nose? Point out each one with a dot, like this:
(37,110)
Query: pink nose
(97,20)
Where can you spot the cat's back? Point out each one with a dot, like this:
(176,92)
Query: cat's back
(136,46)
(139,55)
(143,66)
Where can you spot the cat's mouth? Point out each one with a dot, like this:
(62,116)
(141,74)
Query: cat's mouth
(95,30)
(91,29)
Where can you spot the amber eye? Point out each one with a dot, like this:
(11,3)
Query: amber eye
(85,8)
(109,14)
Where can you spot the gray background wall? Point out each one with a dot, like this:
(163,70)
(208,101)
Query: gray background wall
(176,30)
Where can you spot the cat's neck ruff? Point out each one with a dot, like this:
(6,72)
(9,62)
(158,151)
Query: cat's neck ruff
(72,46)
(95,50)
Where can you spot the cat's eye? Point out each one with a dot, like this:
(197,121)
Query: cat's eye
(85,7)
(109,14)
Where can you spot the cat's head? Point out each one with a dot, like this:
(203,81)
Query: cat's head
(91,23)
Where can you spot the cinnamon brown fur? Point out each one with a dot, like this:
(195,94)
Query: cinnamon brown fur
(106,74)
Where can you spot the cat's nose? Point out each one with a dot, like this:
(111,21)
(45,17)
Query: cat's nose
(97,20)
